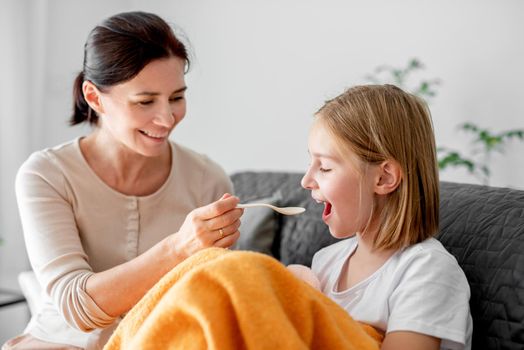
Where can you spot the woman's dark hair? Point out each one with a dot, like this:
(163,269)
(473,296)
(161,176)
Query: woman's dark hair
(116,51)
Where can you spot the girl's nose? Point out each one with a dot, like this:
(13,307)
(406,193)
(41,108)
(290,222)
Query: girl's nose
(307,182)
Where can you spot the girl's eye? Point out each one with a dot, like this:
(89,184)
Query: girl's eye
(324,170)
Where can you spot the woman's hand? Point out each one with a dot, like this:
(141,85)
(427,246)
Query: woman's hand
(215,224)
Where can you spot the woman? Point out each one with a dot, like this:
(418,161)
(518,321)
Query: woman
(105,216)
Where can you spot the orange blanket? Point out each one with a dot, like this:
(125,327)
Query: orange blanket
(221,299)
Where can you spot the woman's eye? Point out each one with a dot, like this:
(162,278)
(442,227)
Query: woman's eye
(145,103)
(178,98)
(324,170)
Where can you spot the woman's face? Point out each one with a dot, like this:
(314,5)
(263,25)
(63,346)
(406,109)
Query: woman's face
(141,113)
(339,181)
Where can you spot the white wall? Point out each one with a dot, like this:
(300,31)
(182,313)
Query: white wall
(261,69)
(16,23)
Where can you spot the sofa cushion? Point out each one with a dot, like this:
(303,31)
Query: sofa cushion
(483,227)
(259,226)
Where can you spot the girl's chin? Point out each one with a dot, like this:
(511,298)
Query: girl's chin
(336,233)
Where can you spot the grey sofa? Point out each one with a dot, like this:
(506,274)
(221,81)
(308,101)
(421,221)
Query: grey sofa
(483,227)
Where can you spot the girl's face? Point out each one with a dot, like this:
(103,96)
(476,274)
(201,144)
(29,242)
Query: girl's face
(340,181)
(142,112)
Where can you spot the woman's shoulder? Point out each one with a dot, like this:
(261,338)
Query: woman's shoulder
(48,167)
(47,159)
(194,161)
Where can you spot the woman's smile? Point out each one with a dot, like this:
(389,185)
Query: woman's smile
(155,137)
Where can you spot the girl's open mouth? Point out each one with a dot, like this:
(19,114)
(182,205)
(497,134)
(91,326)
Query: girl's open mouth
(327,211)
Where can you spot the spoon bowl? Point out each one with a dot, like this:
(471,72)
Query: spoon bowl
(284,210)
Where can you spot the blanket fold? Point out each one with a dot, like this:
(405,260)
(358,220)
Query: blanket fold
(222,299)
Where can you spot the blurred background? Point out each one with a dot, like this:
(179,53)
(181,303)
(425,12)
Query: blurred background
(260,70)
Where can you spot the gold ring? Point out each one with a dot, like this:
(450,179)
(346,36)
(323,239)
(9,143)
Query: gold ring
(221,233)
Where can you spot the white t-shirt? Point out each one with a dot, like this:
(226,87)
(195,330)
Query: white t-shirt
(420,289)
(76,225)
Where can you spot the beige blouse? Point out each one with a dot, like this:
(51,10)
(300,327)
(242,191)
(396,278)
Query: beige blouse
(75,224)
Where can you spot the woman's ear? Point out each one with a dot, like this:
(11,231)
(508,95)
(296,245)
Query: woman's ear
(389,177)
(92,97)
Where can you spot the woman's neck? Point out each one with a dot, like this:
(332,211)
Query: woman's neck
(123,169)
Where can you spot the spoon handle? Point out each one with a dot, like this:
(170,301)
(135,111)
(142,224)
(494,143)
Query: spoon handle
(284,211)
(252,205)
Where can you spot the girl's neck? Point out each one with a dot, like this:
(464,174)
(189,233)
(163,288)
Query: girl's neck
(364,262)
(365,248)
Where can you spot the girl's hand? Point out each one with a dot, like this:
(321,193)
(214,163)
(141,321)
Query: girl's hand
(305,274)
(215,224)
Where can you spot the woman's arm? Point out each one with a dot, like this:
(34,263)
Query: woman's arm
(403,340)
(118,289)
(89,300)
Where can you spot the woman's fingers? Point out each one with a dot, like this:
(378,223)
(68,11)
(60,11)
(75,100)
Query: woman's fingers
(215,224)
(228,235)
(226,230)
(221,206)
(219,214)
(227,241)
(224,220)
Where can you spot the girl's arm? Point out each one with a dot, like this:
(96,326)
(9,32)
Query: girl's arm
(403,340)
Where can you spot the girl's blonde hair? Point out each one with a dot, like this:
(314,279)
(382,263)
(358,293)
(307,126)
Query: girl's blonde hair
(382,122)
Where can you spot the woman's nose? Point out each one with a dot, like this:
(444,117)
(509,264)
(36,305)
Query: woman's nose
(165,116)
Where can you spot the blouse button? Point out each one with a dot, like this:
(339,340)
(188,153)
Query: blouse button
(132,204)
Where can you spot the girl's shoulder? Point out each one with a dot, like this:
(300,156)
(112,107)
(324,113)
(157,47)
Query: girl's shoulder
(429,260)
(428,293)
(429,249)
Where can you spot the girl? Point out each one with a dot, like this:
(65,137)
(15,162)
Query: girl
(373,167)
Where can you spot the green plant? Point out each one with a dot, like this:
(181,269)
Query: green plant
(484,142)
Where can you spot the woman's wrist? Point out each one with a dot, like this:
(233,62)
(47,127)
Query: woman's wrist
(173,252)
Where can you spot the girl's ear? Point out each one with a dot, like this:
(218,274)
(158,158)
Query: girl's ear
(389,177)
(92,97)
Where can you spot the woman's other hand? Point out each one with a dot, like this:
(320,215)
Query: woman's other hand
(215,224)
